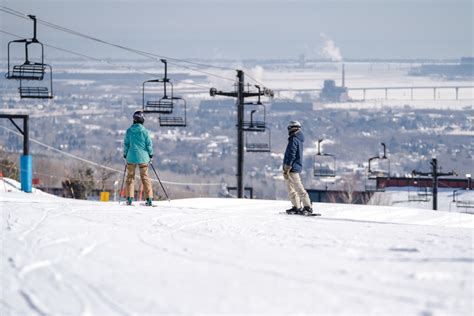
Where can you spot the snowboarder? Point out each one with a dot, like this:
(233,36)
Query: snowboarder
(138,150)
(292,166)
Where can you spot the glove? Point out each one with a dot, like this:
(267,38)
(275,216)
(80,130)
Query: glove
(125,157)
(286,171)
(151,158)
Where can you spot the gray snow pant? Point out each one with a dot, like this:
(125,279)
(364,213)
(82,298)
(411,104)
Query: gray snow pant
(296,191)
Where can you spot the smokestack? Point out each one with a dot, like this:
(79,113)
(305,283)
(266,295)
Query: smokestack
(343,76)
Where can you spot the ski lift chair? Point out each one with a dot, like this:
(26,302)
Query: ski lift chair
(29,70)
(163,105)
(258,141)
(257,116)
(324,165)
(44,91)
(379,167)
(421,192)
(254,125)
(172,110)
(176,118)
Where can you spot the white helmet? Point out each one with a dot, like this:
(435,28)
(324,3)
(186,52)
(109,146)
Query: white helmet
(294,125)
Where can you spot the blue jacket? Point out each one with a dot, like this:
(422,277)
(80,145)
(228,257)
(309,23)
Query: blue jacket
(137,146)
(294,152)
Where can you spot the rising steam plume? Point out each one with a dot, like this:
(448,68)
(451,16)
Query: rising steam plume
(330,50)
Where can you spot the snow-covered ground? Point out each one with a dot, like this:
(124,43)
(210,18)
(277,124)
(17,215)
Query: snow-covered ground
(70,257)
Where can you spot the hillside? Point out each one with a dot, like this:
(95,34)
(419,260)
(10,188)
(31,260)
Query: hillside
(62,256)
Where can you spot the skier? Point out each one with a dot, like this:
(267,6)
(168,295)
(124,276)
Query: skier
(292,166)
(138,150)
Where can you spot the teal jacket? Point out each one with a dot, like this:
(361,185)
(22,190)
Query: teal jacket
(137,146)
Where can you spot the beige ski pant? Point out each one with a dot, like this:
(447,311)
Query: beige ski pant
(146,181)
(296,191)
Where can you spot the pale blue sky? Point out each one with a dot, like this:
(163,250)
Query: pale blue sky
(256,29)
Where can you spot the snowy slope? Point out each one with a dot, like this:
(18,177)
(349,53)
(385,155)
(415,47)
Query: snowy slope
(69,257)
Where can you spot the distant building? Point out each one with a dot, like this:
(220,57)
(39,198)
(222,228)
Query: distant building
(465,69)
(302,61)
(333,93)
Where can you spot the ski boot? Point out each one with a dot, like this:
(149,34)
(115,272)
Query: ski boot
(148,202)
(293,210)
(307,210)
(129,201)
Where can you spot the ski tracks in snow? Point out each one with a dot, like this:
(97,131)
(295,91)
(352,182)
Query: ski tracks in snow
(220,259)
(182,234)
(25,261)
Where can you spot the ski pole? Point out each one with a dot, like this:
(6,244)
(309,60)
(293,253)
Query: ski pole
(156,174)
(123,180)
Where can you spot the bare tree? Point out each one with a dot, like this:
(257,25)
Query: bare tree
(349,188)
(104,175)
(81,184)
(8,167)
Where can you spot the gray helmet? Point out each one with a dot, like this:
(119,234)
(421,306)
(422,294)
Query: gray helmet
(294,125)
(138,117)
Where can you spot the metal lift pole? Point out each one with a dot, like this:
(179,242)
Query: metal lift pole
(240,134)
(240,95)
(26,136)
(434,174)
(26,169)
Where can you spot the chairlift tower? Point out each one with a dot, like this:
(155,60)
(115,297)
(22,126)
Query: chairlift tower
(241,94)
(434,174)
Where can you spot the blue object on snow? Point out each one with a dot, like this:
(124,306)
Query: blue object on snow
(26,173)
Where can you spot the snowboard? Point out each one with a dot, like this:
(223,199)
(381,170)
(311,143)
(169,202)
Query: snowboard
(144,205)
(299,214)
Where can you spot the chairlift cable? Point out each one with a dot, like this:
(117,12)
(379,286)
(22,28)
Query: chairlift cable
(13,12)
(154,57)
(180,82)
(132,50)
(142,53)
(86,56)
(255,80)
(105,61)
(100,165)
(283,99)
(136,51)
(204,72)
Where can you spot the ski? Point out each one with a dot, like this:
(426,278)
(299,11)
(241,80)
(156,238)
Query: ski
(141,204)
